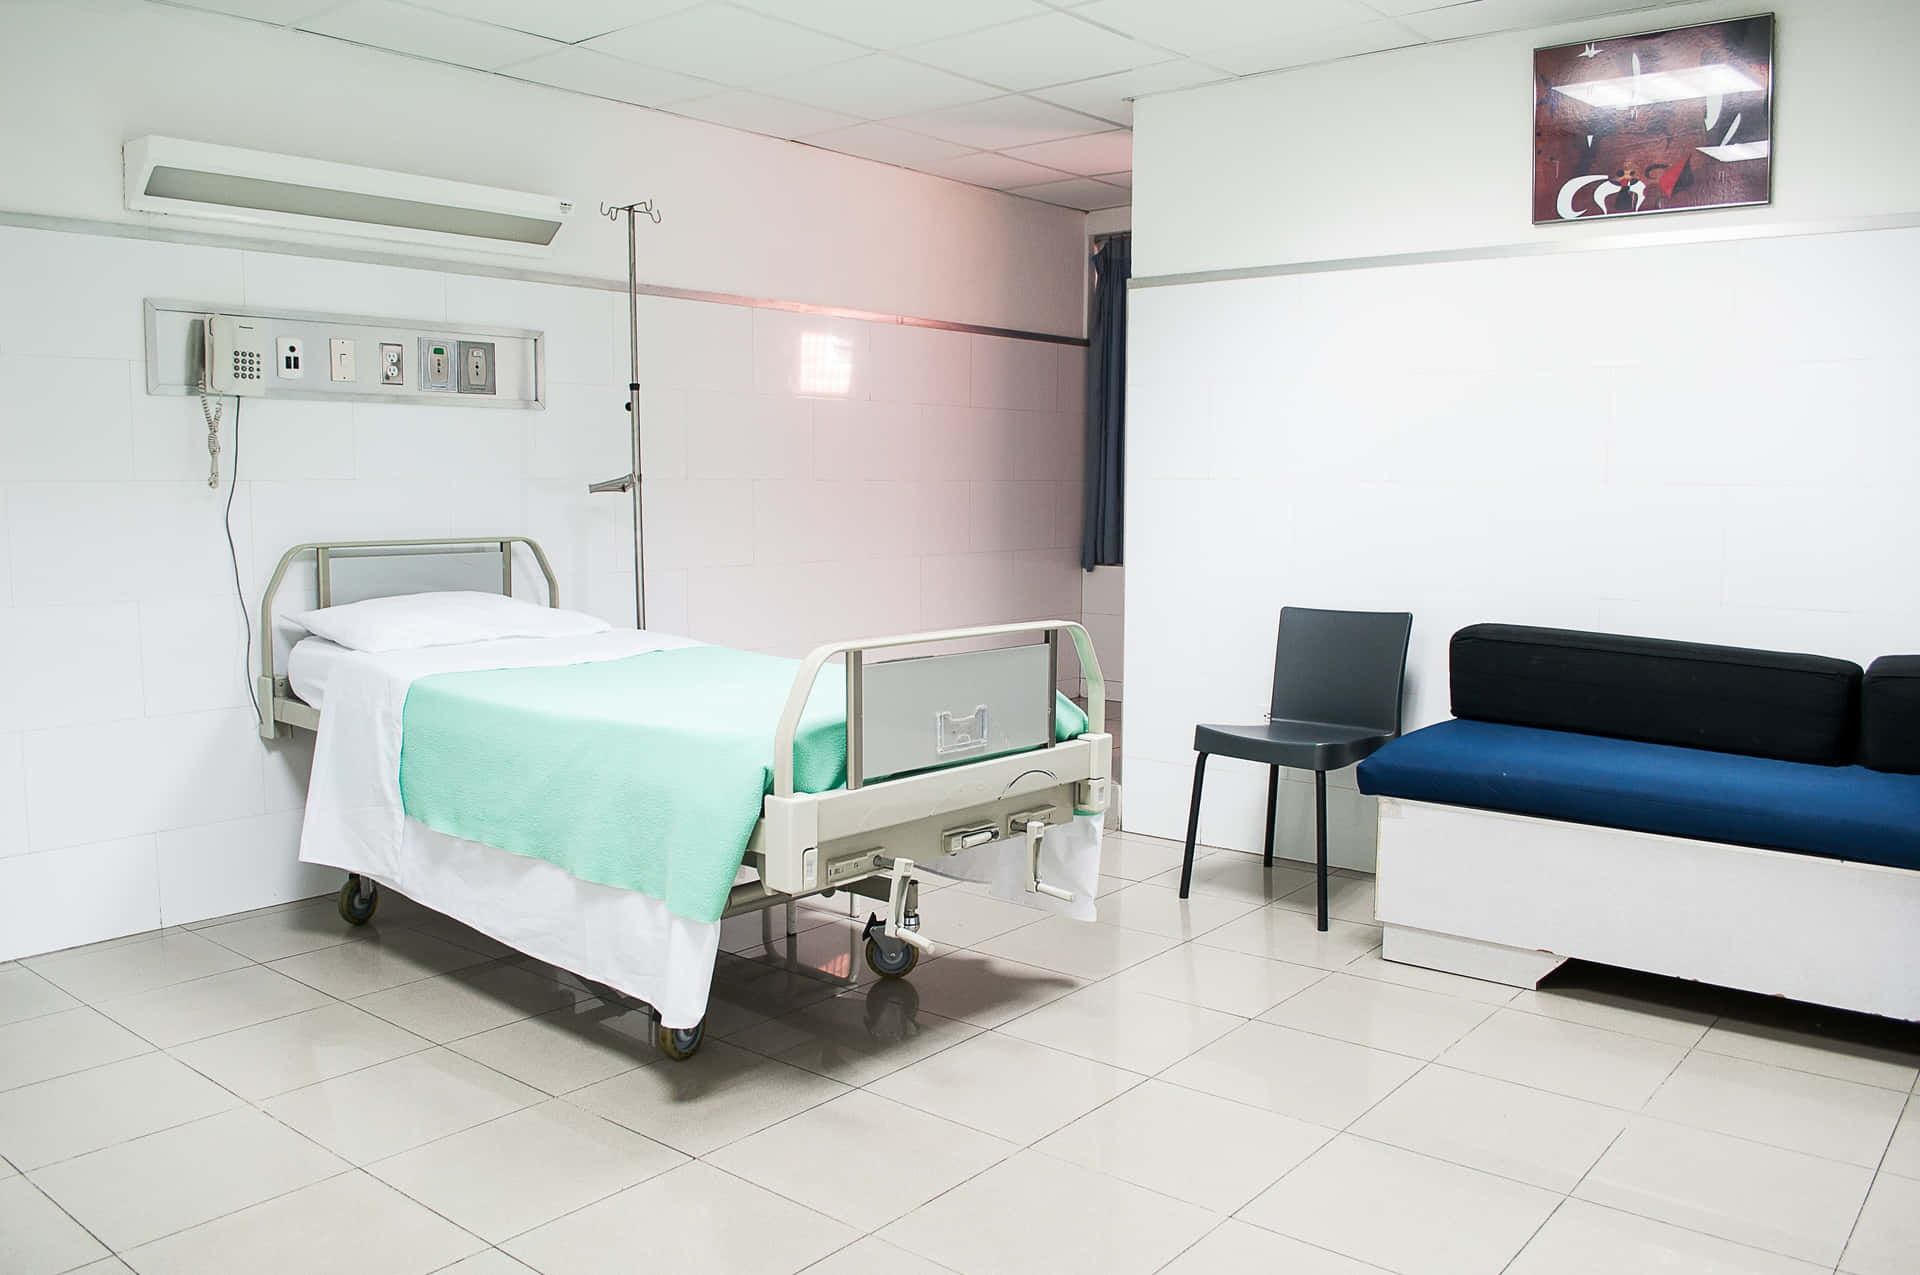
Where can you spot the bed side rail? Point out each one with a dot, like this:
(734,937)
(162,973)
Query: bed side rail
(855,652)
(276,702)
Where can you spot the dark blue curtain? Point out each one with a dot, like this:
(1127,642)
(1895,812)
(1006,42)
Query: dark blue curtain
(1100,543)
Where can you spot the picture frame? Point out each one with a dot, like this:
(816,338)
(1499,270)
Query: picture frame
(1678,120)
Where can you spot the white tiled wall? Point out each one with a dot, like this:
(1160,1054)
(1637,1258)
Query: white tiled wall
(1103,595)
(1713,442)
(942,489)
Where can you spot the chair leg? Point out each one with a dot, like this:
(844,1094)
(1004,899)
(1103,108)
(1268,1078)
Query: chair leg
(1273,807)
(1193,825)
(1320,839)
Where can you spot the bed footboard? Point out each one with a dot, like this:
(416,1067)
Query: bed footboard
(965,740)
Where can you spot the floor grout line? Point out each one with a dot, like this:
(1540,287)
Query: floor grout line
(836,989)
(105,1247)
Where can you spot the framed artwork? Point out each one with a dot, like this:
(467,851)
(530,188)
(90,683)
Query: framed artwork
(1663,122)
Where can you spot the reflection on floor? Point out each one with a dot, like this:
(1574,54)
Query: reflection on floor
(1201,1087)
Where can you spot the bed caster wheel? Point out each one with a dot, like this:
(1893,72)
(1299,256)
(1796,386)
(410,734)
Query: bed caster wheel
(891,958)
(358,899)
(681,1043)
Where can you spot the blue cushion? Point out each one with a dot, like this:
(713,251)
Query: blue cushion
(1842,812)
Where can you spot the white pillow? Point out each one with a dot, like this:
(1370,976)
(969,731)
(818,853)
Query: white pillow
(414,620)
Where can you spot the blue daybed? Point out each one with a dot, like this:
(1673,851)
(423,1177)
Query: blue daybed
(1743,817)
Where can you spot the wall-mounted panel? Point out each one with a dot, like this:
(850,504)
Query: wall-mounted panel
(292,354)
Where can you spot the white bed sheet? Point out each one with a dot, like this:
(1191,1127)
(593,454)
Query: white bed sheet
(355,822)
(309,663)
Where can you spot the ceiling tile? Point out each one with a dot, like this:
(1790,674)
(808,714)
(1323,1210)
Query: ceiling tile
(1315,46)
(1084,156)
(1110,96)
(758,113)
(1077,192)
(424,33)
(1483,16)
(1123,180)
(1189,26)
(890,24)
(584,71)
(888,145)
(729,45)
(568,20)
(1000,123)
(1001,172)
(279,12)
(1053,49)
(880,85)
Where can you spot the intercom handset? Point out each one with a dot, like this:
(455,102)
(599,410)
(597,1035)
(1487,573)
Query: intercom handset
(238,354)
(233,360)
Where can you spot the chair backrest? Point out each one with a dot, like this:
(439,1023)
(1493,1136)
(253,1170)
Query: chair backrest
(1343,667)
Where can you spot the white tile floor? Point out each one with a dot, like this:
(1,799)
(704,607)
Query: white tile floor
(1209,1087)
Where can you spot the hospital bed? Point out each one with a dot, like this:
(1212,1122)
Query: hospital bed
(952,762)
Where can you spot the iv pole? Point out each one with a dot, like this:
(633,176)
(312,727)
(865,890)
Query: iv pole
(630,481)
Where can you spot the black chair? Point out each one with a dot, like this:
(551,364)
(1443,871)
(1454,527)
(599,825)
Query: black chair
(1337,679)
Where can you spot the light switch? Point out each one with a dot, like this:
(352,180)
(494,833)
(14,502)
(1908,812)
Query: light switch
(476,367)
(340,359)
(436,364)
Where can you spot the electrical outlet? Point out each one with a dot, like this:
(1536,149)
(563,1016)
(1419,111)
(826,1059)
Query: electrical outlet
(476,367)
(340,359)
(392,367)
(292,358)
(436,364)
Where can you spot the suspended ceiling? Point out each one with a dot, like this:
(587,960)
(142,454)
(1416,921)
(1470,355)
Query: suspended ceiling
(1033,97)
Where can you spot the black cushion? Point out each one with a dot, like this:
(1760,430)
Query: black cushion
(1728,699)
(1890,715)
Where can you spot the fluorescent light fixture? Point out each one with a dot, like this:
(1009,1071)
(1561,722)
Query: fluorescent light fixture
(826,363)
(1738,151)
(1627,91)
(168,175)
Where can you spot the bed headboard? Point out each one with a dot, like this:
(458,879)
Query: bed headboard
(352,570)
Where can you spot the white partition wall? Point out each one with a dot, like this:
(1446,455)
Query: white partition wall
(1711,440)
(935,484)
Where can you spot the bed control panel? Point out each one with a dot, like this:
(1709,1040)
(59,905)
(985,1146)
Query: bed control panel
(959,839)
(1017,821)
(266,353)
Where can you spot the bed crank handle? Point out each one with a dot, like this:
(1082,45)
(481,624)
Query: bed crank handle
(901,924)
(1036,831)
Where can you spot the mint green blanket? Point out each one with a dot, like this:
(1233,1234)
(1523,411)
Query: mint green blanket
(645,773)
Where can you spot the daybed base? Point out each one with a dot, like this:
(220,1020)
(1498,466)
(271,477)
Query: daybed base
(1508,897)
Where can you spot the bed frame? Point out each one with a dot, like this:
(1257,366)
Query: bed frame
(916,716)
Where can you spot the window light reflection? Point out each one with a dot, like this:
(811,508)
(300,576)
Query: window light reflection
(826,363)
(1662,86)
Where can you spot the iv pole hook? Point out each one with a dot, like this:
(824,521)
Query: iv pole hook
(643,208)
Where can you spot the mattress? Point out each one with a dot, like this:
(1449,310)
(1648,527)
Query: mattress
(309,664)
(1838,812)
